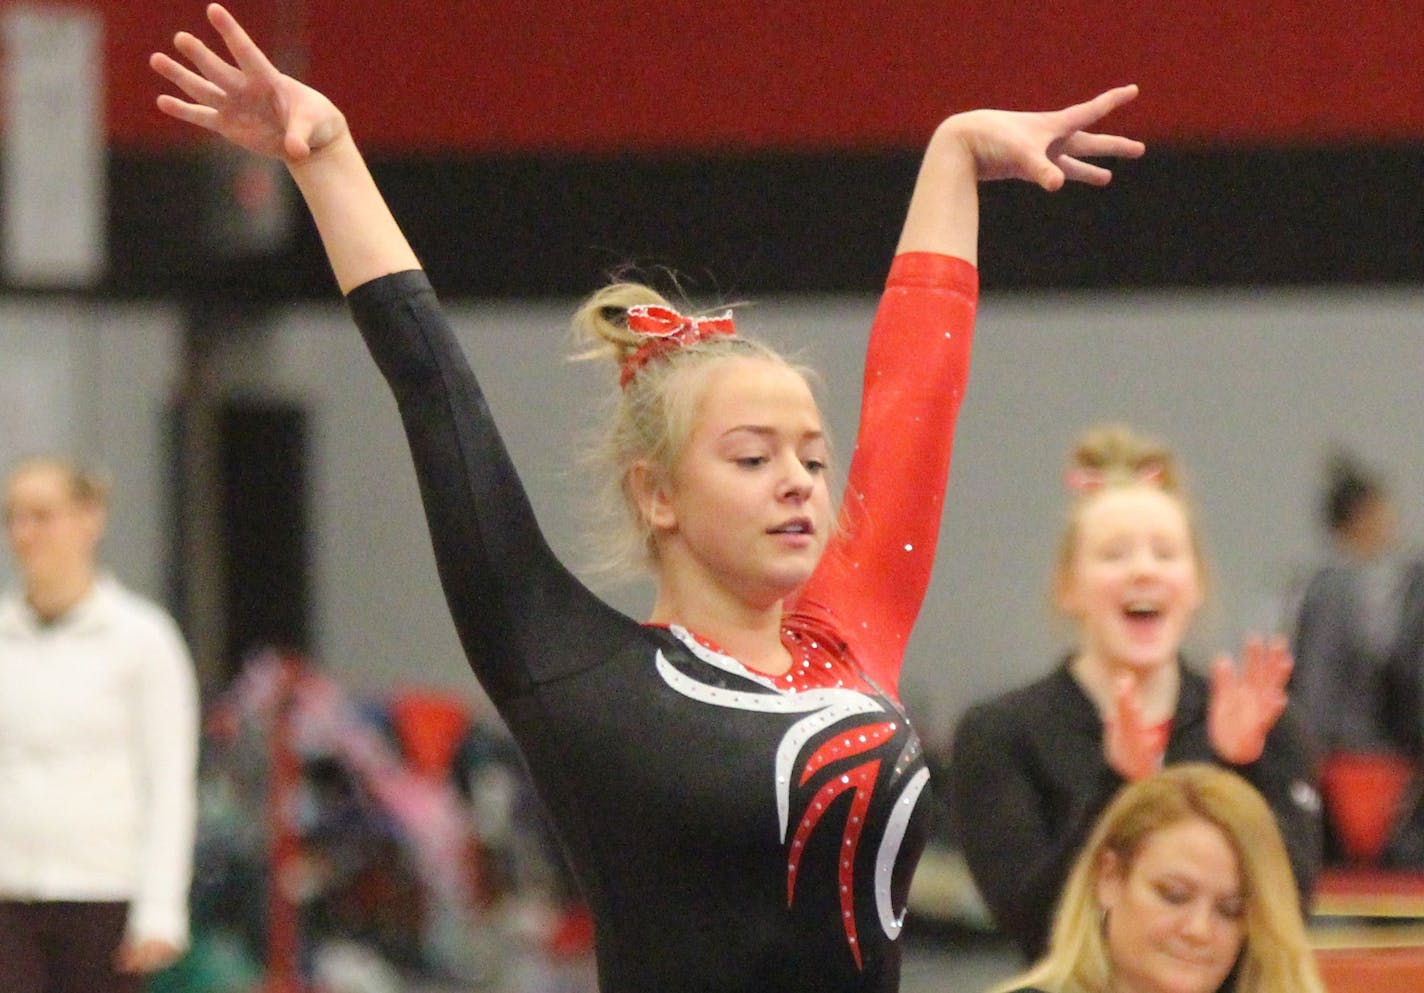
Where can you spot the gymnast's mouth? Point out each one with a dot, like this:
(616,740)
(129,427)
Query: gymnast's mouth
(797,525)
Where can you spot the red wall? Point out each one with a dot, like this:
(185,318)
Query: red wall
(597,75)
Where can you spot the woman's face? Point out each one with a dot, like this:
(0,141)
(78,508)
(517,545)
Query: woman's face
(1133,582)
(748,506)
(52,533)
(1176,916)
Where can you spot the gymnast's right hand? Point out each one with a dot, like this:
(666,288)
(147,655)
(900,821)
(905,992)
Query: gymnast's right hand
(251,104)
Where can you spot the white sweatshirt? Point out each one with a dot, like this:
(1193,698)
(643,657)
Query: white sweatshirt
(98,758)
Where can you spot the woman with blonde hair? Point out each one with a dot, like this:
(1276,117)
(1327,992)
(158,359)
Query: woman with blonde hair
(1183,887)
(1032,769)
(734,781)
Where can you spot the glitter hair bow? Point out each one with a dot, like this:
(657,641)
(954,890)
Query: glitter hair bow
(663,330)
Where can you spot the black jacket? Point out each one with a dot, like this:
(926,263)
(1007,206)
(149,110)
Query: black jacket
(1027,780)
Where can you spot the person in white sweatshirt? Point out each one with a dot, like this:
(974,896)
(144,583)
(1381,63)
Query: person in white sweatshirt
(98,753)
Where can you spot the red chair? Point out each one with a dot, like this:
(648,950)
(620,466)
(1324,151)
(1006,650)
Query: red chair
(1362,793)
(430,725)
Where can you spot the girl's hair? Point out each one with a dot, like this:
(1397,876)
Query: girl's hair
(87,485)
(1349,486)
(653,414)
(1109,456)
(1275,955)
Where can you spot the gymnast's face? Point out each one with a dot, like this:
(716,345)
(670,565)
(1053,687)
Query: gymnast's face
(1176,915)
(1133,582)
(746,508)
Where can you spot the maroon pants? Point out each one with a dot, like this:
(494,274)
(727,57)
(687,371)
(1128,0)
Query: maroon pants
(56,946)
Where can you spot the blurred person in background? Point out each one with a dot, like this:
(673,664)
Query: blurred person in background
(1031,770)
(1359,632)
(1358,642)
(1183,887)
(98,753)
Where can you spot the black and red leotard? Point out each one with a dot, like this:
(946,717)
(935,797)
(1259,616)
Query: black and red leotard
(731,831)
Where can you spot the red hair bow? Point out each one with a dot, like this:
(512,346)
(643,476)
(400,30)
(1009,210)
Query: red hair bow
(663,330)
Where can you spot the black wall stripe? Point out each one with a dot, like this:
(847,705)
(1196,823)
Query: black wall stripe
(744,226)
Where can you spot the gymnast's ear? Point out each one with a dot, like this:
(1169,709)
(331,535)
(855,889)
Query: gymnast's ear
(650,490)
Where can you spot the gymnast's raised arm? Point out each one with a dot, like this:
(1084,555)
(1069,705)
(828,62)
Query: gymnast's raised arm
(256,107)
(492,559)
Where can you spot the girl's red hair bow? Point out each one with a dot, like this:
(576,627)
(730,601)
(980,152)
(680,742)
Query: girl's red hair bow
(663,330)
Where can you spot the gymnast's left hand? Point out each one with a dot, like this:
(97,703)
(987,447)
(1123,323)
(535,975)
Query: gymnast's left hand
(1045,147)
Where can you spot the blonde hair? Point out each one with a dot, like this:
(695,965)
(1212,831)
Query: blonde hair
(1106,457)
(1275,955)
(653,415)
(87,485)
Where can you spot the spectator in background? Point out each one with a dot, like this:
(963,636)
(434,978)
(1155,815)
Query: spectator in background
(1031,770)
(98,754)
(1359,649)
(1183,887)
(1359,632)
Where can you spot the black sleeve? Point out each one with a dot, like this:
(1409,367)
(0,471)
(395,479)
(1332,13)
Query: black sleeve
(1285,776)
(1019,852)
(521,616)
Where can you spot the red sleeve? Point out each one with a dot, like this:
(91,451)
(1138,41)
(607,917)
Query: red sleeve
(873,577)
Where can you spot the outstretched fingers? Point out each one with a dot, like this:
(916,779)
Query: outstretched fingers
(188,113)
(245,98)
(1082,172)
(211,81)
(200,88)
(215,79)
(1103,145)
(1085,114)
(206,95)
(1075,143)
(245,53)
(213,67)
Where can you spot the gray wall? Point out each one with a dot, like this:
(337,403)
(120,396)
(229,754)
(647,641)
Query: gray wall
(94,381)
(1250,388)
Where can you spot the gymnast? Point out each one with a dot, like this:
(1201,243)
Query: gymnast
(734,780)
